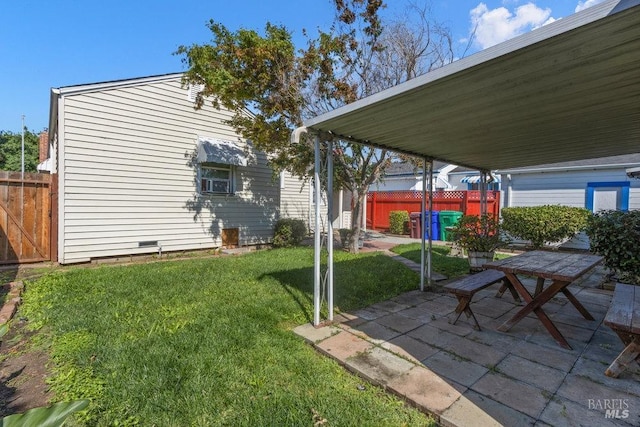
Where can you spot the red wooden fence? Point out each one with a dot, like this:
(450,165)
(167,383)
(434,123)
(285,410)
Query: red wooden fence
(380,203)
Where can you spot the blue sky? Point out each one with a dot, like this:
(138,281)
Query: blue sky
(55,43)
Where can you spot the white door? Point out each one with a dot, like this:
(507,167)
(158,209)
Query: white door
(606,198)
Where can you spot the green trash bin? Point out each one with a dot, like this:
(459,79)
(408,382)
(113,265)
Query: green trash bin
(448,219)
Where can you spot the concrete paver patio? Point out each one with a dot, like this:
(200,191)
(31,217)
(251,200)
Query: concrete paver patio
(466,377)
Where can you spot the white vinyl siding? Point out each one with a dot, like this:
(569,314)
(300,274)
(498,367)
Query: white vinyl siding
(295,195)
(296,201)
(127,176)
(567,188)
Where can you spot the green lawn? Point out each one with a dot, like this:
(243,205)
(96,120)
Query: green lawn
(441,262)
(209,341)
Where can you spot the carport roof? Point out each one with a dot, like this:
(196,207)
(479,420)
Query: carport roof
(567,91)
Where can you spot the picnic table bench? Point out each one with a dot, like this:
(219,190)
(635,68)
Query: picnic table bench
(465,288)
(624,318)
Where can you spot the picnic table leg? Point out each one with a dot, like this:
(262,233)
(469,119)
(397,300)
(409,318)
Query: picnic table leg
(535,305)
(629,354)
(539,286)
(506,284)
(463,306)
(577,304)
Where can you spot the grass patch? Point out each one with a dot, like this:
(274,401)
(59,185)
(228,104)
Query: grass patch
(208,341)
(441,261)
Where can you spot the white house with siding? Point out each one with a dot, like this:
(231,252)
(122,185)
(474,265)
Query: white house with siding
(595,184)
(141,171)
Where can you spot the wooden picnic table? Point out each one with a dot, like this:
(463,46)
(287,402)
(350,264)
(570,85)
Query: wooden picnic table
(561,268)
(624,318)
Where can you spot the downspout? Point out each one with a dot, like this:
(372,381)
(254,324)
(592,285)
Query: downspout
(509,190)
(443,175)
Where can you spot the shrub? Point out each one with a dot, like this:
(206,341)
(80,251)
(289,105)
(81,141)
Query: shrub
(616,235)
(478,233)
(398,222)
(289,232)
(544,224)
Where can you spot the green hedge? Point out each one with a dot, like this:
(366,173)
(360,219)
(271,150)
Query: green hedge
(616,236)
(289,232)
(398,222)
(544,224)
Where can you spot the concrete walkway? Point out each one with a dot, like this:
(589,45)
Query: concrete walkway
(466,377)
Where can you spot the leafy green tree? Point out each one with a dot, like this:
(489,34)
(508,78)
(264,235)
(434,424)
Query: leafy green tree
(245,71)
(11,151)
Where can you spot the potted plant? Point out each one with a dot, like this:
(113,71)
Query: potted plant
(479,236)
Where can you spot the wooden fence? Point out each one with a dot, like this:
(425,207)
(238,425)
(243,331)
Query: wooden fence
(380,203)
(25,217)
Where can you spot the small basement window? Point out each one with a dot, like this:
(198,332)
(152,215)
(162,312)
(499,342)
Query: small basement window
(216,178)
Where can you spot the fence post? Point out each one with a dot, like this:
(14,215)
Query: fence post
(465,196)
(373,211)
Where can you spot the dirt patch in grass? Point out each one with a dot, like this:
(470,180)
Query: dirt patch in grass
(23,368)
(23,371)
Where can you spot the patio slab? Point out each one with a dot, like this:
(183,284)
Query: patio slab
(465,377)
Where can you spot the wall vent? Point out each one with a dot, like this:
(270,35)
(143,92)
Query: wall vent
(193,90)
(147,243)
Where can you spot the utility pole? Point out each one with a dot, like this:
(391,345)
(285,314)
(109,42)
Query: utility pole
(22,187)
(22,176)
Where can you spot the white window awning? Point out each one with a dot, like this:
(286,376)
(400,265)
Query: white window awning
(475,179)
(214,150)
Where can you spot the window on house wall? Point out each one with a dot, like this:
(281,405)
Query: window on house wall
(217,178)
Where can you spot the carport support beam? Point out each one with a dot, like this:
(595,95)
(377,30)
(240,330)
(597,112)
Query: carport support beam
(423,217)
(430,228)
(330,228)
(317,243)
(483,193)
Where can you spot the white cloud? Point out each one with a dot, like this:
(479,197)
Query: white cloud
(497,25)
(582,5)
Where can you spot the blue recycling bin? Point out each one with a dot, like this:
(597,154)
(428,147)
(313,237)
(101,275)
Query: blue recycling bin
(435,225)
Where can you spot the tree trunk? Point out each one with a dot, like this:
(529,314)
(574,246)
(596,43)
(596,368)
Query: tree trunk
(360,197)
